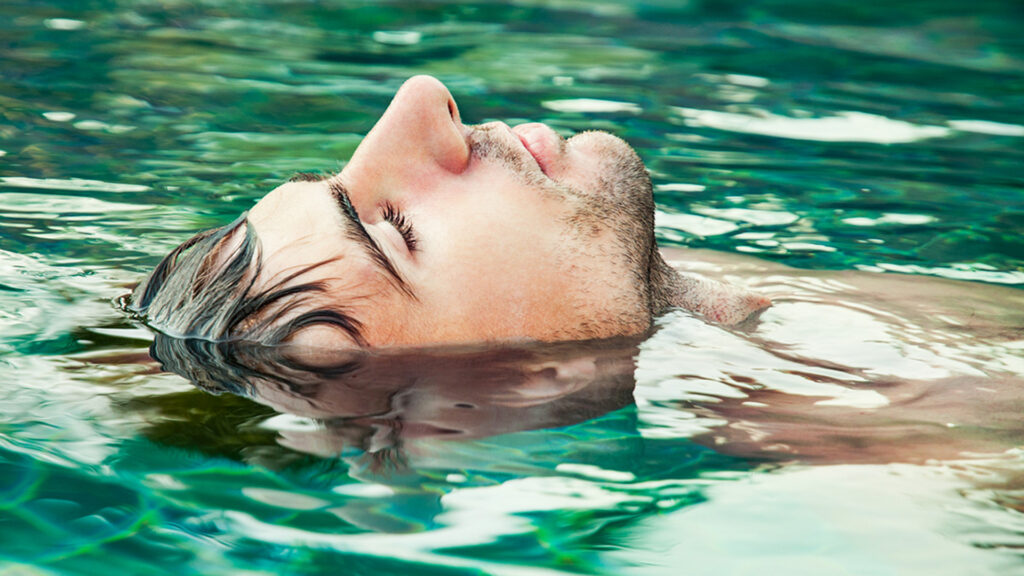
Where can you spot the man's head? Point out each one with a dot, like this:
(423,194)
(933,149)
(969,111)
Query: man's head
(435,232)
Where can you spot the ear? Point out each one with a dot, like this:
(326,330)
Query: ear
(717,301)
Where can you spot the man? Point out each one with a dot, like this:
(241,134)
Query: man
(437,232)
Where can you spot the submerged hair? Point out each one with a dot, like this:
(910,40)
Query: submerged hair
(210,288)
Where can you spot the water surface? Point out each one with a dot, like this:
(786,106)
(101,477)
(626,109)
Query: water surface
(868,424)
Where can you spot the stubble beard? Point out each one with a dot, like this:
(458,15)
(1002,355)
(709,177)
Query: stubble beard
(617,202)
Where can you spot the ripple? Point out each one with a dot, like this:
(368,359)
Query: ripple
(57,116)
(961,271)
(807,247)
(986,127)
(397,37)
(750,216)
(890,218)
(839,520)
(680,187)
(284,499)
(842,127)
(52,204)
(63,24)
(591,105)
(692,224)
(595,472)
(75,184)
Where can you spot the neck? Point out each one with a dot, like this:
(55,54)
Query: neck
(716,301)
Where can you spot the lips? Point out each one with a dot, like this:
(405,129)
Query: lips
(543,143)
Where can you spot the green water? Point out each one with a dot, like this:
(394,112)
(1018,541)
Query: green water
(820,135)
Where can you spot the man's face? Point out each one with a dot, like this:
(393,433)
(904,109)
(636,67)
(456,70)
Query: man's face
(472,233)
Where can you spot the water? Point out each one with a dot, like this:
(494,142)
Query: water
(870,424)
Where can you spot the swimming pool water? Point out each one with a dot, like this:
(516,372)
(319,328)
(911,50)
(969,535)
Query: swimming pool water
(827,136)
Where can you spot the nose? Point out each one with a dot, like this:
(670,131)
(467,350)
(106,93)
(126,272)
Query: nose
(419,132)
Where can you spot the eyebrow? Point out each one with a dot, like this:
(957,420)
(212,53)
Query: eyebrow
(358,233)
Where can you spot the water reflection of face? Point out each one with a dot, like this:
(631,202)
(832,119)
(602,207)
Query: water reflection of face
(374,402)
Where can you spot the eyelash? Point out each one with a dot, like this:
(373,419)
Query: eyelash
(398,220)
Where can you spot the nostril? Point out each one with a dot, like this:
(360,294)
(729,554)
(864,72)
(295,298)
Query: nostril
(451,108)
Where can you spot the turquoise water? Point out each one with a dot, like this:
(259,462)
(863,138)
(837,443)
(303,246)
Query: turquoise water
(869,424)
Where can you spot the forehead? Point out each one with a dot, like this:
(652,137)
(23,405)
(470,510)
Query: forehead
(307,219)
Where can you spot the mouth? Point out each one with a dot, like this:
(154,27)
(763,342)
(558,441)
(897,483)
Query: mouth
(543,143)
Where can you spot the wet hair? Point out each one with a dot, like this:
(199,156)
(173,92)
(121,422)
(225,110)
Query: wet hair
(207,288)
(235,366)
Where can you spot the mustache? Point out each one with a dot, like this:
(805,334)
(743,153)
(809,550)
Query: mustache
(494,142)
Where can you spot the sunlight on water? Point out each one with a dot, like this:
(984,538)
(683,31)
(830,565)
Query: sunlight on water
(844,127)
(874,517)
(591,105)
(985,127)
(76,184)
(956,271)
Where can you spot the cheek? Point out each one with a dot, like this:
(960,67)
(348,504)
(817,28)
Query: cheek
(494,235)
(498,277)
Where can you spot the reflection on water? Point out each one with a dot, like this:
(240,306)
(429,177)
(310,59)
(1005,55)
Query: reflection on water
(335,403)
(868,423)
(850,384)
(844,127)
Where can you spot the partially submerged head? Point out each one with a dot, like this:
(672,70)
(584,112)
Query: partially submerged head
(434,233)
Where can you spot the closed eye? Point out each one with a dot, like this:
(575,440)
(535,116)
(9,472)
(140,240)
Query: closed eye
(401,223)
(357,232)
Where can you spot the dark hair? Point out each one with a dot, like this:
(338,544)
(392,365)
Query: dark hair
(210,288)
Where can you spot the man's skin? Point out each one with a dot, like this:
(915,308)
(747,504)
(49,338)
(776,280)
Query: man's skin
(493,234)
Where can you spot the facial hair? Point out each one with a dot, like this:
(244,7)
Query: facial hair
(617,201)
